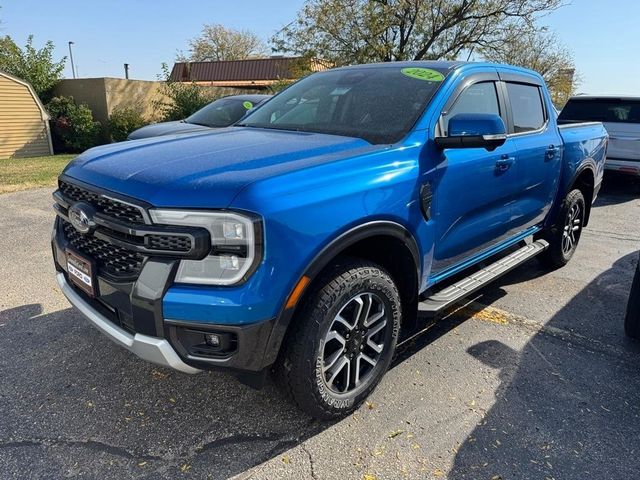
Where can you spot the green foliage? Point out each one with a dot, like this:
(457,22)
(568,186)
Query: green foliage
(35,66)
(123,121)
(280,85)
(72,126)
(301,67)
(179,99)
(539,50)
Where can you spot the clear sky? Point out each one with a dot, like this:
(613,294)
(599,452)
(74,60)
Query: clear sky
(603,35)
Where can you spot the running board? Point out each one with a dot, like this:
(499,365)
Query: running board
(474,282)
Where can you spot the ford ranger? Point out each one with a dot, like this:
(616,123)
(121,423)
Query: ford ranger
(305,239)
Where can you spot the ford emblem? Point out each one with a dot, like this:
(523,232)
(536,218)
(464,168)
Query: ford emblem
(81,217)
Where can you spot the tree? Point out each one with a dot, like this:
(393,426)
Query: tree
(179,99)
(360,31)
(539,50)
(35,66)
(72,126)
(217,42)
(125,119)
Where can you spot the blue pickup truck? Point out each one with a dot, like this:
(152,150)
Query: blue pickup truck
(305,240)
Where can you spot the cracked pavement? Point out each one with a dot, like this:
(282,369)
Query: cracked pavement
(531,379)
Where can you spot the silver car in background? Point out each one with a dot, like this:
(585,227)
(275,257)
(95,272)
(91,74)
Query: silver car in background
(218,114)
(621,118)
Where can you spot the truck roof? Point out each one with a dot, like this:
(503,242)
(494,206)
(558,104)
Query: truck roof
(437,64)
(440,65)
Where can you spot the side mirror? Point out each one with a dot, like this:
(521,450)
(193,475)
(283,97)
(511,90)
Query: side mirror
(474,130)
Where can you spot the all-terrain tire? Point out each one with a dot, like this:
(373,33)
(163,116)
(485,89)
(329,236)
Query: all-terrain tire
(563,236)
(319,329)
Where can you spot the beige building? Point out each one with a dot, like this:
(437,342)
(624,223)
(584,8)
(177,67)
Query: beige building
(24,123)
(104,94)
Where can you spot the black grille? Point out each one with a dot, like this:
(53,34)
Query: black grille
(176,243)
(110,259)
(108,206)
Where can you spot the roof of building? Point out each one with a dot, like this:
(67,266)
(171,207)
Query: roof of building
(254,69)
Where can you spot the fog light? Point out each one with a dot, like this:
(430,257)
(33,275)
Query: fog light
(212,339)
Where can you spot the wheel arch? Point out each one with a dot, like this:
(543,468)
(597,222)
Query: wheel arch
(584,180)
(384,242)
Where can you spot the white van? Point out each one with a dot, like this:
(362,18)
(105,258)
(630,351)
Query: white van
(621,118)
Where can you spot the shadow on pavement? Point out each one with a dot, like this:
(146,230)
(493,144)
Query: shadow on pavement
(560,395)
(74,403)
(617,188)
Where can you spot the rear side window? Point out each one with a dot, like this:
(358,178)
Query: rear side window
(478,98)
(526,107)
(614,110)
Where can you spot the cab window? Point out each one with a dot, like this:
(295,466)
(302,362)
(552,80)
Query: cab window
(478,98)
(526,107)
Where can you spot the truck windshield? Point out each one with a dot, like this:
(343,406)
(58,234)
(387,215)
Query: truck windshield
(377,104)
(614,110)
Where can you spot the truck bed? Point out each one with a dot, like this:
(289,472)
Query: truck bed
(585,140)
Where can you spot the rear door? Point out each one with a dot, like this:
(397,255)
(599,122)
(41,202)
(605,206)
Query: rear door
(474,187)
(539,147)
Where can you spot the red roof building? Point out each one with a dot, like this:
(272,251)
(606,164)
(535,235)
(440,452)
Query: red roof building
(255,72)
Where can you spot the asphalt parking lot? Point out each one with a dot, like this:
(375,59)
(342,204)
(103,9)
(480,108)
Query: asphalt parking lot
(534,379)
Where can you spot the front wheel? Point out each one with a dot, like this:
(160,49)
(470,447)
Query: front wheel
(564,235)
(342,340)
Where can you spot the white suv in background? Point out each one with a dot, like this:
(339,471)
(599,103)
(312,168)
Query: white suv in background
(621,118)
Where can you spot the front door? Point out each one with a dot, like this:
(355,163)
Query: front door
(474,188)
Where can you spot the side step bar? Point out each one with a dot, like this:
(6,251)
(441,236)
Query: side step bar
(474,282)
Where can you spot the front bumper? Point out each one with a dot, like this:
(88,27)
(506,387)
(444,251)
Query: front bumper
(153,349)
(131,314)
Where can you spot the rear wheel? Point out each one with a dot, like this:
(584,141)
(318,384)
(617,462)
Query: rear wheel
(564,235)
(342,340)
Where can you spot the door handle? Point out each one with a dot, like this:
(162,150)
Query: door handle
(551,152)
(505,163)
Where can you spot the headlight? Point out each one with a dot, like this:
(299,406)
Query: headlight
(236,245)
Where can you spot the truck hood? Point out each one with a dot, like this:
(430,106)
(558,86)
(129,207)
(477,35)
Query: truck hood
(206,170)
(165,128)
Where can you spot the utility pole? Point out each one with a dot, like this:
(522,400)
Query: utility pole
(73,68)
(126,71)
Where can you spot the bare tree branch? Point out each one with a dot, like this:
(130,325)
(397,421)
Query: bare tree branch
(356,31)
(217,42)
